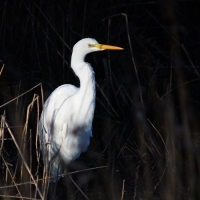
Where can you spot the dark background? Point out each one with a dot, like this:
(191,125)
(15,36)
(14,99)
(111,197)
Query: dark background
(146,131)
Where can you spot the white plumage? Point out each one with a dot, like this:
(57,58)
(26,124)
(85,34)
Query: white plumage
(65,125)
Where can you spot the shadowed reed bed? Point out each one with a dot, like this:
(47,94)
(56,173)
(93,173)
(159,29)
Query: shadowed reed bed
(146,131)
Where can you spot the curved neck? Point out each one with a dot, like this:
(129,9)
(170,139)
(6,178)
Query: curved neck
(85,74)
(86,94)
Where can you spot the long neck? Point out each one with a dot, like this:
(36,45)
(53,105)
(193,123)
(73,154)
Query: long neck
(85,103)
(87,81)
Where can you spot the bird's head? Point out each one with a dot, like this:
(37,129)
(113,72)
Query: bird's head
(89,45)
(84,47)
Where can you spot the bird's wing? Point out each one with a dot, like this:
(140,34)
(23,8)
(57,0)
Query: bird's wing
(58,126)
(51,107)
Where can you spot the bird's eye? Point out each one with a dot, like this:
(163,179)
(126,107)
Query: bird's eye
(90,45)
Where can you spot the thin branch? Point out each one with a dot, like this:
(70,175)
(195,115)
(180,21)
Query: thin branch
(2,69)
(19,96)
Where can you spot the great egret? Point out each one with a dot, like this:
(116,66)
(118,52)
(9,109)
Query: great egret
(65,125)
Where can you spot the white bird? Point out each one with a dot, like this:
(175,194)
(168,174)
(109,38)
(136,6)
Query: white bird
(65,125)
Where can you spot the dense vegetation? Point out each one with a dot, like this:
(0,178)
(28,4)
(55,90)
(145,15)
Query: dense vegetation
(146,130)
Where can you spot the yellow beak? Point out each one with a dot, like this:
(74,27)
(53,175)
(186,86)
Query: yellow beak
(107,47)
